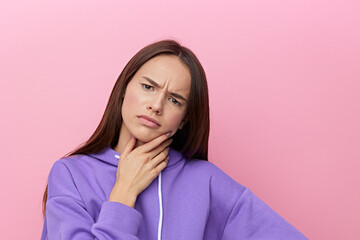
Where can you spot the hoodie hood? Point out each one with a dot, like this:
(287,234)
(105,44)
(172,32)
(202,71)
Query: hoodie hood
(111,156)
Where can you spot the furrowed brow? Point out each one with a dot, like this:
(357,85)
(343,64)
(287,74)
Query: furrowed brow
(157,85)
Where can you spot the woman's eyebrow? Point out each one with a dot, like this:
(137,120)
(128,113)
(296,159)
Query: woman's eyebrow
(157,85)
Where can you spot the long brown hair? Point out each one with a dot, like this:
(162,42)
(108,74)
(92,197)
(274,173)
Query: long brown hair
(191,140)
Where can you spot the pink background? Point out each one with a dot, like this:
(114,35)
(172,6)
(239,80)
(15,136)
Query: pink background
(284,94)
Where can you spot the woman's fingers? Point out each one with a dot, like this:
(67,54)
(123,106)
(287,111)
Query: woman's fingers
(147,147)
(159,158)
(161,166)
(129,146)
(138,167)
(160,148)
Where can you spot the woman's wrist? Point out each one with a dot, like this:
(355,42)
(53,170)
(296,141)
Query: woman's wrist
(123,196)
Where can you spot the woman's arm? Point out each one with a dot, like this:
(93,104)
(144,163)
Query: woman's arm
(251,218)
(66,216)
(237,213)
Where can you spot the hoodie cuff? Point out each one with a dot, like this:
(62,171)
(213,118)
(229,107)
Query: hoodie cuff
(120,216)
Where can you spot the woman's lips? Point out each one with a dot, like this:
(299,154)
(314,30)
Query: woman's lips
(148,121)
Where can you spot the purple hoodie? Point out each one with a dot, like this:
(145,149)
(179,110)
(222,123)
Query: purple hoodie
(190,199)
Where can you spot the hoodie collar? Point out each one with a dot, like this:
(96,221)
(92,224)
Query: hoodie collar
(111,156)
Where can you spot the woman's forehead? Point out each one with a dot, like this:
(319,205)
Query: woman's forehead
(166,70)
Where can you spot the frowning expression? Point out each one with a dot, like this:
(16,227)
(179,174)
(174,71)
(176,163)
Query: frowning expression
(156,98)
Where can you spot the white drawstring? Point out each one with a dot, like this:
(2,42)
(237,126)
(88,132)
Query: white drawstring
(161,208)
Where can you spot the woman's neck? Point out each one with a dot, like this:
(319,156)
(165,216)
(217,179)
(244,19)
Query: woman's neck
(124,138)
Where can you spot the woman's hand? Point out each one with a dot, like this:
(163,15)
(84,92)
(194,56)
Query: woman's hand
(138,167)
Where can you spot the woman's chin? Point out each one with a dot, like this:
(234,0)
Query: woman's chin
(144,138)
(146,135)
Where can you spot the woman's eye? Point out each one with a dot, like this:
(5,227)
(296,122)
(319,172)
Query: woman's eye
(147,87)
(174,101)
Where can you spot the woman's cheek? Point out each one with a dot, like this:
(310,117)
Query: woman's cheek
(175,121)
(132,100)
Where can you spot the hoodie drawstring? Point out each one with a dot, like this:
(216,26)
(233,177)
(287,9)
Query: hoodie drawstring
(160,207)
(160,204)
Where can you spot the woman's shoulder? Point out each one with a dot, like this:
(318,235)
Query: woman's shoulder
(79,172)
(106,157)
(61,177)
(204,166)
(207,167)
(218,179)
(73,161)
(75,166)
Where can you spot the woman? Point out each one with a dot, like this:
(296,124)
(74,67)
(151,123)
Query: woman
(144,173)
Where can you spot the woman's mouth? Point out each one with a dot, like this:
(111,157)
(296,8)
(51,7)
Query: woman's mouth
(148,121)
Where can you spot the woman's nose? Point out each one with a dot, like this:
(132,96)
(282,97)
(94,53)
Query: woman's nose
(156,104)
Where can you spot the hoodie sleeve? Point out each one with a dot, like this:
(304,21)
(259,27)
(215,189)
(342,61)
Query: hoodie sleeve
(66,216)
(251,218)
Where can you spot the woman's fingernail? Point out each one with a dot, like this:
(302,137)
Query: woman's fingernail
(168,134)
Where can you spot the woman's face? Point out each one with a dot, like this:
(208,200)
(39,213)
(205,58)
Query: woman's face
(159,90)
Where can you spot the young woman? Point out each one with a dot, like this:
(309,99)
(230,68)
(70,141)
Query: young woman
(144,173)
